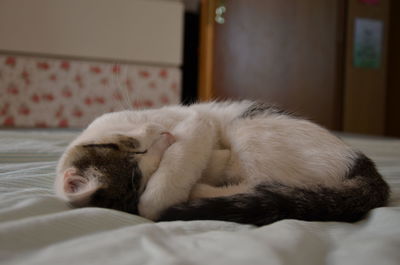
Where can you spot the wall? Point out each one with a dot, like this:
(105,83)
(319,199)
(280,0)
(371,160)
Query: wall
(63,63)
(127,30)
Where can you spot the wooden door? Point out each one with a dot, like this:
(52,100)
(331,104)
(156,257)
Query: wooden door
(287,52)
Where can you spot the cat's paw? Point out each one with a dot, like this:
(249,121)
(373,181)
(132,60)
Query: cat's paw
(151,205)
(146,209)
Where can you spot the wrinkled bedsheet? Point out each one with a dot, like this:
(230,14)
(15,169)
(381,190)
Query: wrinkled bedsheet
(37,228)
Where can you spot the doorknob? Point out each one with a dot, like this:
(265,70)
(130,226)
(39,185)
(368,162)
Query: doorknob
(220,11)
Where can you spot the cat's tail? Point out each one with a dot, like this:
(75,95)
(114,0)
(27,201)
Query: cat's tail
(363,189)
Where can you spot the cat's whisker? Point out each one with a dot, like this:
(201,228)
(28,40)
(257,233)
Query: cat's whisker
(116,88)
(123,89)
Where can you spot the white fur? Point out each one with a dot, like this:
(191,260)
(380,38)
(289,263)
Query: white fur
(77,189)
(266,149)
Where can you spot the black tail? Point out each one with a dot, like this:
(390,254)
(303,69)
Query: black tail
(363,189)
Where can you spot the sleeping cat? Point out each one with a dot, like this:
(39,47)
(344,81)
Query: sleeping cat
(246,162)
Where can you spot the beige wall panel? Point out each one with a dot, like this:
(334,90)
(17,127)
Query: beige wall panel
(132,30)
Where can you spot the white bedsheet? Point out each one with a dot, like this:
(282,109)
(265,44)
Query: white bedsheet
(37,228)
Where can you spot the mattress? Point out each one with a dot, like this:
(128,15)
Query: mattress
(38,228)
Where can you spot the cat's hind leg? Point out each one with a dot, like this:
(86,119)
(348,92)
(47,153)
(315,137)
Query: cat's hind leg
(362,190)
(201,191)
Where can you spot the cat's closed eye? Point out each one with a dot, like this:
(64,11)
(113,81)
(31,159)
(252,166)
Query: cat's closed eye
(124,143)
(116,142)
(107,145)
(128,142)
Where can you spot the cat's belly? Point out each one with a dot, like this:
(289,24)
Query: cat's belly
(291,151)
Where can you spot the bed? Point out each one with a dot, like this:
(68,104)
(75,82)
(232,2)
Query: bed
(37,228)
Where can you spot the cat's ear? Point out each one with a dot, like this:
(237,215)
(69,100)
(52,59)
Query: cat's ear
(76,188)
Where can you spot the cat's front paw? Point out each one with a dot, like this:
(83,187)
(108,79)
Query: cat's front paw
(152,204)
(147,208)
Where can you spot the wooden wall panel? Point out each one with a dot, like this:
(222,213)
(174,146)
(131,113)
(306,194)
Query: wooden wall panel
(365,89)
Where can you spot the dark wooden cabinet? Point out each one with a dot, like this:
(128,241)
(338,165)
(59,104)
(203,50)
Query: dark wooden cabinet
(364,107)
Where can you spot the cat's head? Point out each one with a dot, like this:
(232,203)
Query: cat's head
(110,170)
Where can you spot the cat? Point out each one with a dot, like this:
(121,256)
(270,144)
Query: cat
(246,162)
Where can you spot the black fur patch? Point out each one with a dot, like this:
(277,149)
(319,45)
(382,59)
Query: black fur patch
(120,176)
(260,108)
(273,202)
(128,142)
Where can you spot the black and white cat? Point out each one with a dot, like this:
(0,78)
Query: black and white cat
(246,162)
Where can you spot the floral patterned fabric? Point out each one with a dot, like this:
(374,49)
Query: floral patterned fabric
(42,92)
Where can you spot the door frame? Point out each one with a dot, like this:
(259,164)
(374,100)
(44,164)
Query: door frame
(206,52)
